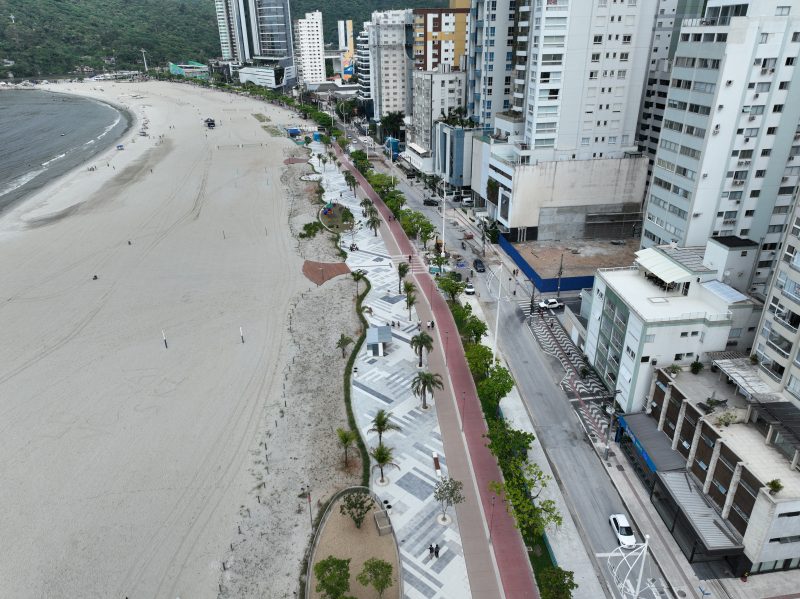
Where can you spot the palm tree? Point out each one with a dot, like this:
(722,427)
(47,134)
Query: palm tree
(411,300)
(350,180)
(383,458)
(371,210)
(402,271)
(420,342)
(408,287)
(425,383)
(382,424)
(365,203)
(374,223)
(357,275)
(346,439)
(344,341)
(323,160)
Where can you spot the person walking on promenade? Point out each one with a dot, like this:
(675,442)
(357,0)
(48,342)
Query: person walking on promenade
(430,550)
(436,550)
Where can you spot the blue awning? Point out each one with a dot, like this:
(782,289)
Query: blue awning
(652,444)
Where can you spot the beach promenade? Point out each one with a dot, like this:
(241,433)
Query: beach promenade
(468,458)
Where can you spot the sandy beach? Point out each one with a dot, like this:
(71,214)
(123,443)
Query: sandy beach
(129,468)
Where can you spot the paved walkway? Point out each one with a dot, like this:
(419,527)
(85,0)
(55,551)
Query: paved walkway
(458,404)
(384,383)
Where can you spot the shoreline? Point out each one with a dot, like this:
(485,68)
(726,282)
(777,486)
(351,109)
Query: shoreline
(134,456)
(32,187)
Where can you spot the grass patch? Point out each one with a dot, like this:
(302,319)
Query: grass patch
(261,118)
(538,554)
(273,131)
(310,230)
(337,218)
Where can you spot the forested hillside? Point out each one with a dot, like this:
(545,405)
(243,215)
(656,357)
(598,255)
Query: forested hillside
(50,37)
(46,37)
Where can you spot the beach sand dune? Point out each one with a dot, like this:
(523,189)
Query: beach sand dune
(125,462)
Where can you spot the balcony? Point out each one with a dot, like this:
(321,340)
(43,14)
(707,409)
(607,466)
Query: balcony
(718,22)
(786,320)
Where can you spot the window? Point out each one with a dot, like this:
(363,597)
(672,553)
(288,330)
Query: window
(784,84)
(777,108)
(598,39)
(679,356)
(764,38)
(782,11)
(789,515)
(626,39)
(684,334)
(623,56)
(596,57)
(790,61)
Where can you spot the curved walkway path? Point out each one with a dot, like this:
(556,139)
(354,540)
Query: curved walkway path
(487,551)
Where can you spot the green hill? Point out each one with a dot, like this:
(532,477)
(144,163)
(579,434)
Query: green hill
(48,37)
(53,37)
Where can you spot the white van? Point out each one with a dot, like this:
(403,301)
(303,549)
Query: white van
(468,202)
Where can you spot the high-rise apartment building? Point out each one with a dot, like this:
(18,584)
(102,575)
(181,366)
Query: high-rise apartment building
(441,36)
(665,33)
(390,61)
(435,96)
(727,161)
(563,152)
(778,341)
(347,49)
(363,69)
(491,55)
(310,48)
(258,33)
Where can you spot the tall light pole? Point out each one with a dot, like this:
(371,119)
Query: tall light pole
(497,313)
(610,422)
(491,519)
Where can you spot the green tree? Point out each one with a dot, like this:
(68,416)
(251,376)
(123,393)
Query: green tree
(452,288)
(347,437)
(461,315)
(448,492)
(426,232)
(382,423)
(343,342)
(422,341)
(555,583)
(350,180)
(357,505)
(424,384)
(307,140)
(333,577)
(374,223)
(391,124)
(521,489)
(508,445)
(376,573)
(495,387)
(411,300)
(383,457)
(479,358)
(381,183)
(402,271)
(358,275)
(475,329)
(365,203)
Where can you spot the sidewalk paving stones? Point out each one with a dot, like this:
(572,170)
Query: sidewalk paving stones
(385,383)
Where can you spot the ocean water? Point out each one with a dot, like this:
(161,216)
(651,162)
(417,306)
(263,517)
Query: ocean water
(43,135)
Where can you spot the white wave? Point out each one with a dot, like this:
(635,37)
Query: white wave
(20,181)
(108,129)
(59,157)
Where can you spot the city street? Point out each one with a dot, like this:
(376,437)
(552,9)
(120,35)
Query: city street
(557,424)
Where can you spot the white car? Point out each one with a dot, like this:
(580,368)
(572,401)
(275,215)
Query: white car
(623,531)
(551,304)
(469,289)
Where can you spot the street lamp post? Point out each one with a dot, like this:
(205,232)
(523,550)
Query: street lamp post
(610,423)
(446,343)
(463,408)
(497,312)
(533,302)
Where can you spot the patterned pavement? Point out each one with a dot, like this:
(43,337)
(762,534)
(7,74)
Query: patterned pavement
(586,394)
(384,383)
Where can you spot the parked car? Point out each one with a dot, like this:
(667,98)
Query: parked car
(478,265)
(468,202)
(551,304)
(430,202)
(469,289)
(622,530)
